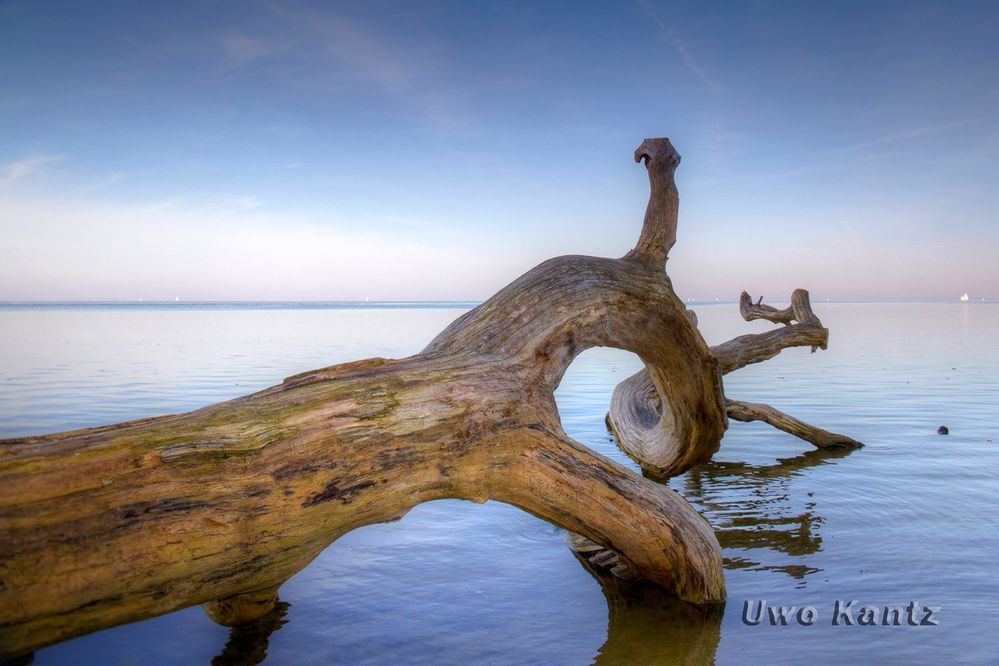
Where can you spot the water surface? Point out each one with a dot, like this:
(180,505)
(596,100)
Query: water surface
(911,517)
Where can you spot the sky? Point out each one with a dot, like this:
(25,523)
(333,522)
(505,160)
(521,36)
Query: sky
(434,151)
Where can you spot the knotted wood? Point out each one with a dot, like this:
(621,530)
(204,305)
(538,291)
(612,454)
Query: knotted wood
(221,505)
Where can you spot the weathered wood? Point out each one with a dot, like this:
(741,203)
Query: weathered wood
(758,347)
(760,310)
(822,439)
(800,310)
(659,229)
(221,505)
(636,410)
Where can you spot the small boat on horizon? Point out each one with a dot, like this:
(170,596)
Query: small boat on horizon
(964,298)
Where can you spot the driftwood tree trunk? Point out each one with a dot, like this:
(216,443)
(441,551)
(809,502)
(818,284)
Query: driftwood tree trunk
(221,505)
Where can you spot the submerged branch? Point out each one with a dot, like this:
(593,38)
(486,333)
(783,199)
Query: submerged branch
(822,439)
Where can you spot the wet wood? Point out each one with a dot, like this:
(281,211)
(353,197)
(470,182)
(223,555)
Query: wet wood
(221,505)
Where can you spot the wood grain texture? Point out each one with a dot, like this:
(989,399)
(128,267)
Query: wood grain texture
(221,505)
(637,405)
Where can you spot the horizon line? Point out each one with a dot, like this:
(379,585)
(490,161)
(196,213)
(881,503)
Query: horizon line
(222,301)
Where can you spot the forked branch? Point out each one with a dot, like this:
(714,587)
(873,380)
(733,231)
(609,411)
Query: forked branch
(636,406)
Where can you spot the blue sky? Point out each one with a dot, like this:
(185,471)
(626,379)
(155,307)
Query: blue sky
(294,150)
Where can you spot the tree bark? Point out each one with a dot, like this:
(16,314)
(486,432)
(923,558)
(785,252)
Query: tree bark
(636,409)
(221,505)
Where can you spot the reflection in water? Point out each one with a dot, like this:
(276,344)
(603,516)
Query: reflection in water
(752,508)
(918,508)
(247,643)
(646,625)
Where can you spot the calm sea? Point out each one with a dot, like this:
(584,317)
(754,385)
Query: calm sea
(912,517)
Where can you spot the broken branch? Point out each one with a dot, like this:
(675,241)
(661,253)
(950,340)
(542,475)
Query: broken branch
(821,439)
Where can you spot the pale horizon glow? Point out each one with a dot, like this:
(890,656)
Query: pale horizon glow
(388,151)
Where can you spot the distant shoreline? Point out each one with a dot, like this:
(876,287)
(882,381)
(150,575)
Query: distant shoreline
(232,305)
(15,305)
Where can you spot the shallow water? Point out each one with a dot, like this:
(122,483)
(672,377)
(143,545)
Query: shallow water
(913,516)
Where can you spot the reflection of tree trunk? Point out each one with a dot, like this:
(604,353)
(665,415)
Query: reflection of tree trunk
(248,642)
(645,625)
(762,518)
(221,505)
(636,415)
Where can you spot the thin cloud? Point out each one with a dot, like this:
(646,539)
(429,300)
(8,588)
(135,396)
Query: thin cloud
(244,48)
(27,166)
(905,135)
(682,50)
(62,248)
(405,70)
(205,203)
(104,183)
(239,204)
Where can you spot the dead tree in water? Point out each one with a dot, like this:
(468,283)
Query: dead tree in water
(641,425)
(221,505)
